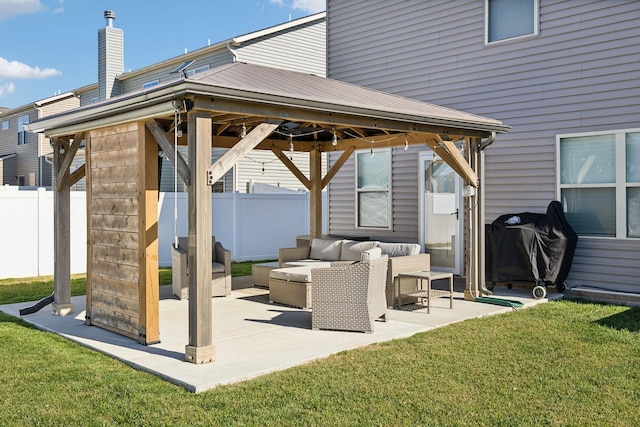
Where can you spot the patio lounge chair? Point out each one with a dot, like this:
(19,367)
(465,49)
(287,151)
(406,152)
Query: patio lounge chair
(220,269)
(351,297)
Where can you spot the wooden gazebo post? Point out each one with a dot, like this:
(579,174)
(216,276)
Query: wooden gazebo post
(315,193)
(200,348)
(61,232)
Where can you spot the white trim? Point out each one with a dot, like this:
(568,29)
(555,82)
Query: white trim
(389,190)
(536,25)
(620,185)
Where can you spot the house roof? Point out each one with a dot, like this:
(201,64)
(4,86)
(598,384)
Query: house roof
(298,94)
(224,44)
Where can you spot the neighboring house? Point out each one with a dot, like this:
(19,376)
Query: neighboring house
(23,154)
(297,45)
(565,76)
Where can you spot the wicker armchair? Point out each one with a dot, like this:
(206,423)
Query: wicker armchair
(220,269)
(349,298)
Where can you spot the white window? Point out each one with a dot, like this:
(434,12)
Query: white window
(5,125)
(197,70)
(509,19)
(150,84)
(599,182)
(23,135)
(373,188)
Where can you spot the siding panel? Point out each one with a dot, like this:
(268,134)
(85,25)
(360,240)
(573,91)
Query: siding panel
(579,74)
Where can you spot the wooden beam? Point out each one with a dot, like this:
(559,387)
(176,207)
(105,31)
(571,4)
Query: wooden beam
(292,167)
(238,151)
(336,166)
(169,149)
(77,175)
(61,234)
(458,158)
(200,348)
(315,193)
(340,119)
(62,171)
(148,286)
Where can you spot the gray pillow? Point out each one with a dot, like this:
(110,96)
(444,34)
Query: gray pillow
(399,249)
(351,250)
(326,249)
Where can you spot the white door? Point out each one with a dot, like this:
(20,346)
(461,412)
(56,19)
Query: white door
(440,213)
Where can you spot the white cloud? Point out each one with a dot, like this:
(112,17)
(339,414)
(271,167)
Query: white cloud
(311,6)
(11,8)
(18,70)
(7,88)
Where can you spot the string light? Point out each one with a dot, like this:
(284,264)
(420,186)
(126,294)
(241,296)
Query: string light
(406,143)
(244,130)
(334,141)
(291,146)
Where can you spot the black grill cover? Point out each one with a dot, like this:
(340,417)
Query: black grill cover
(530,247)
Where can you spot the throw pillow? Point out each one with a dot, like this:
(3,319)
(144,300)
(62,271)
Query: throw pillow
(351,250)
(371,254)
(325,249)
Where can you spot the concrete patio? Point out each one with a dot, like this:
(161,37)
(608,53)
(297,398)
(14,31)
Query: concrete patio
(251,336)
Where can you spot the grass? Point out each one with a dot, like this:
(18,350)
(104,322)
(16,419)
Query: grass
(35,288)
(559,363)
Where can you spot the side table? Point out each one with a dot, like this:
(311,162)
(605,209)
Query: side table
(423,292)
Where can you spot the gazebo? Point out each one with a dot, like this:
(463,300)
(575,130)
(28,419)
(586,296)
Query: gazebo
(240,107)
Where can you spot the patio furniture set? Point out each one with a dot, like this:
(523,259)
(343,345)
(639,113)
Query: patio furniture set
(347,284)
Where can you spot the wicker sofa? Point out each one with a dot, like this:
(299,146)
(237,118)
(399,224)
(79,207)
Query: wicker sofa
(323,252)
(220,269)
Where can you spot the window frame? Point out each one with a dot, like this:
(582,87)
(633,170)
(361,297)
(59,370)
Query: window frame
(4,125)
(620,184)
(23,135)
(151,84)
(388,191)
(536,25)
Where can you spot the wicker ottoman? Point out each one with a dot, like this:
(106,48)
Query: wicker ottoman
(287,292)
(260,273)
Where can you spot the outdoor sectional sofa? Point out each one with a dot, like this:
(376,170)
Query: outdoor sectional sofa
(291,284)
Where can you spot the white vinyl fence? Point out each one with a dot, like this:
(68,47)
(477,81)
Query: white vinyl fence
(251,226)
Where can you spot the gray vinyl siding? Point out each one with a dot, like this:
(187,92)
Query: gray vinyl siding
(110,61)
(163,74)
(301,50)
(580,74)
(275,172)
(27,154)
(87,97)
(342,196)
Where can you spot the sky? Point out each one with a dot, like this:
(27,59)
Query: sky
(50,46)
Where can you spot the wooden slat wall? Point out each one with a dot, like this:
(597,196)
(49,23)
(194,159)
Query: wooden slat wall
(113,230)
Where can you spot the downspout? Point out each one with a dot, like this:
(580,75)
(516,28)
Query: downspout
(233,52)
(481,212)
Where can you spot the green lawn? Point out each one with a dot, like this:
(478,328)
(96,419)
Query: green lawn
(559,363)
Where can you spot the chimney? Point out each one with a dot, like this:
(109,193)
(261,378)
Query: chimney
(110,57)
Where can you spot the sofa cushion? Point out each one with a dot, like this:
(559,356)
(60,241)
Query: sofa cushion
(314,263)
(352,250)
(292,274)
(399,249)
(217,267)
(371,254)
(326,249)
